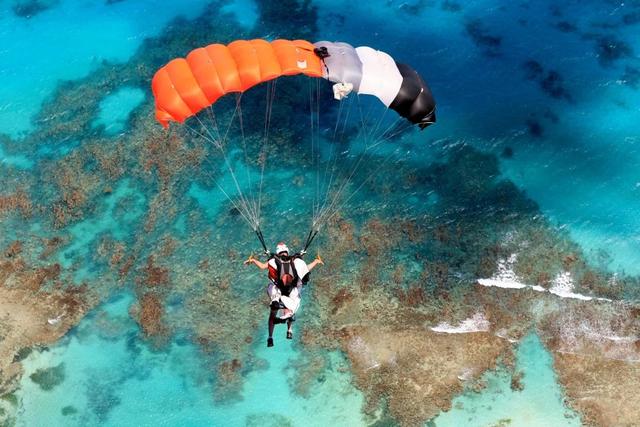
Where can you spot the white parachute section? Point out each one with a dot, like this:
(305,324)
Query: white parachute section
(380,75)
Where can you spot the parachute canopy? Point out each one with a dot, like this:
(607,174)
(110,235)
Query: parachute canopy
(185,86)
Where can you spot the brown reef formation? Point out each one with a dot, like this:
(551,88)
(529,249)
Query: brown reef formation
(596,351)
(382,320)
(36,309)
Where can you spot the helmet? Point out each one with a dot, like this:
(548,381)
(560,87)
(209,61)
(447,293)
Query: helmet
(281,247)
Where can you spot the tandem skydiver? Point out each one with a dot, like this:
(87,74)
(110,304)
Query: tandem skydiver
(287,274)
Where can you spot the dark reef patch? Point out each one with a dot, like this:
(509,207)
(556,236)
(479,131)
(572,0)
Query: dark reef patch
(534,128)
(30,8)
(22,354)
(552,85)
(289,19)
(609,49)
(551,82)
(451,6)
(507,153)
(102,399)
(49,378)
(482,38)
(469,185)
(533,69)
(69,410)
(414,8)
(566,27)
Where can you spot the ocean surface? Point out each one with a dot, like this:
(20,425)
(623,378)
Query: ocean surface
(550,90)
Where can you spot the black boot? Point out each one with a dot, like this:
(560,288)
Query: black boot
(269,342)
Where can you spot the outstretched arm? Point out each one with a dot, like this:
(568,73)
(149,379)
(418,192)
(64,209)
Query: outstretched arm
(317,261)
(257,263)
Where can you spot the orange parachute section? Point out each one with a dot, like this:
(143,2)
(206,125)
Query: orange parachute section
(185,86)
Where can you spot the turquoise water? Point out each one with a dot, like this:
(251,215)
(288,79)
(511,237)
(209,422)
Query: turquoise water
(573,144)
(116,108)
(66,42)
(111,378)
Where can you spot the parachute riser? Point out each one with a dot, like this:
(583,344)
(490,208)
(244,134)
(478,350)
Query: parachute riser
(312,235)
(261,238)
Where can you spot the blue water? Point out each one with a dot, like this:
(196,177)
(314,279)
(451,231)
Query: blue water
(590,186)
(572,130)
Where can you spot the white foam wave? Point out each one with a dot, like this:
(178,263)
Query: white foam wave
(506,277)
(563,287)
(477,323)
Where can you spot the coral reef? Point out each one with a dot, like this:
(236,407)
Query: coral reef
(482,38)
(18,201)
(30,8)
(600,388)
(150,317)
(292,19)
(451,6)
(551,82)
(414,372)
(610,49)
(49,378)
(69,410)
(102,399)
(566,27)
(596,350)
(29,321)
(379,313)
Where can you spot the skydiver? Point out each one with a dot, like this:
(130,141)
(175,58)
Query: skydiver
(287,274)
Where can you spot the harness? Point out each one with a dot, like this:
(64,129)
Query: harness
(286,267)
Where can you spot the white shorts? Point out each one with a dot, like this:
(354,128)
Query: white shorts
(292,302)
